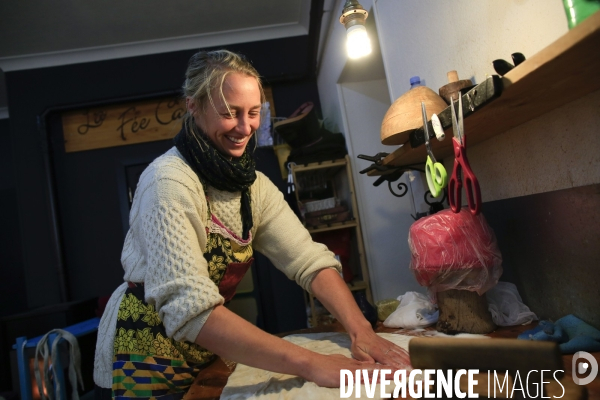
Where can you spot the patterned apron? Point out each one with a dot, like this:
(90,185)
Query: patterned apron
(148,364)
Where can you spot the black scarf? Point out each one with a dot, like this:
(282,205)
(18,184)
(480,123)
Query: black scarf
(219,171)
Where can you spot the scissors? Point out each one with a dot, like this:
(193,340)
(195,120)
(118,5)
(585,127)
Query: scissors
(437,178)
(461,166)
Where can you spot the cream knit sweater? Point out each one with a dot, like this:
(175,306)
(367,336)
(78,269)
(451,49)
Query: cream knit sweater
(166,239)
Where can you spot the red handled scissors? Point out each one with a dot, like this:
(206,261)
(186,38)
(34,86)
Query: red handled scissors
(462,167)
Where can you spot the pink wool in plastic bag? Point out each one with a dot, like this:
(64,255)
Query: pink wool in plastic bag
(454,251)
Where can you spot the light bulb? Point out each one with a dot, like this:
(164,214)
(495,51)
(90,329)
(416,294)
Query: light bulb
(357,41)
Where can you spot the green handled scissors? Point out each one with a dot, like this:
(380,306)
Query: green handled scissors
(437,178)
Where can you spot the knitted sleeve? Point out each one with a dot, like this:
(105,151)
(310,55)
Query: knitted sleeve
(284,240)
(176,279)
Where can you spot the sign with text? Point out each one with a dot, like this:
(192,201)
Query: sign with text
(127,123)
(122,124)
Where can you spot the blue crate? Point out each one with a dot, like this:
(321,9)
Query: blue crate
(23,343)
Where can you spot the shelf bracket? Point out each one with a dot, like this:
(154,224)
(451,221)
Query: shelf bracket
(389,173)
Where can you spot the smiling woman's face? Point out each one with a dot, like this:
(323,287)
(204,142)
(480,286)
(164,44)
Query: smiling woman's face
(230,132)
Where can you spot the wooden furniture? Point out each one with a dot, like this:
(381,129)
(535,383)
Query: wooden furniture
(210,382)
(520,362)
(560,73)
(337,176)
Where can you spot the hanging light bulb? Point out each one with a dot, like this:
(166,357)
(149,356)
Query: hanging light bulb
(357,40)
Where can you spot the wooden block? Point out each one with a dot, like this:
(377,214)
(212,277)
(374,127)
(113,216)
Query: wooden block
(484,354)
(504,356)
(463,311)
(452,89)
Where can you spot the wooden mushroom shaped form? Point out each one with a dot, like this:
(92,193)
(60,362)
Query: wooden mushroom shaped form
(455,255)
(404,115)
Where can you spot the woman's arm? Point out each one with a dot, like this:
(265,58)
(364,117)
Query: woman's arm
(234,338)
(332,291)
(285,241)
(282,238)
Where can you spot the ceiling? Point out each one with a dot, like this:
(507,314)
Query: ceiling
(36,34)
(43,33)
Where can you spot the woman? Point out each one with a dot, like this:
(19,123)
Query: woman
(199,211)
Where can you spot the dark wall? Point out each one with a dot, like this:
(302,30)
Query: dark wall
(11,263)
(550,244)
(89,184)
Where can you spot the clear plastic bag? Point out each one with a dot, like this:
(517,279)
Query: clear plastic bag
(506,306)
(454,251)
(264,135)
(414,311)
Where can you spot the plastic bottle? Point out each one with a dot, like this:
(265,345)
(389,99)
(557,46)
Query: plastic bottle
(415,81)
(578,10)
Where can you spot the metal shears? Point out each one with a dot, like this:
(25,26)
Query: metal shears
(462,167)
(437,178)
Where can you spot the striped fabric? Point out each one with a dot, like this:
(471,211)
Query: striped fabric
(143,377)
(146,363)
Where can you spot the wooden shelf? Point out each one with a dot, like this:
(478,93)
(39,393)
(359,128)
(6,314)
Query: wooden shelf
(339,173)
(357,285)
(564,71)
(320,165)
(331,227)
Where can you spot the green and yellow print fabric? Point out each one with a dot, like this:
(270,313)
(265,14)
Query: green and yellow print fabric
(147,363)
(220,252)
(146,333)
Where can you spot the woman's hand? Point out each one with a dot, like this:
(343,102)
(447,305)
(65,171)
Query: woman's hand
(333,292)
(231,337)
(370,347)
(324,370)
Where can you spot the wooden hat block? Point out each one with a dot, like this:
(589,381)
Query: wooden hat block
(453,88)
(404,115)
(463,311)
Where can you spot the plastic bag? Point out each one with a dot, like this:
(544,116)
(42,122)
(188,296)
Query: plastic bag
(264,136)
(385,307)
(506,306)
(454,251)
(414,311)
